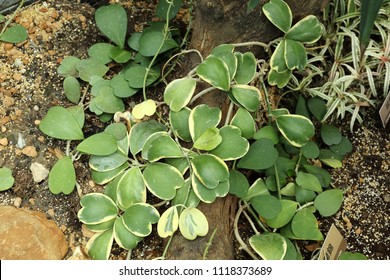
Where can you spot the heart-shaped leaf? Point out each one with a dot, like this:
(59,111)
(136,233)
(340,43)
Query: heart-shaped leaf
(310,150)
(100,144)
(120,55)
(160,145)
(289,189)
(278,58)
(257,188)
(131,188)
(303,196)
(102,178)
(267,132)
(247,96)
(77,112)
(178,93)
(295,55)
(102,226)
(146,108)
(233,146)
(203,117)
(266,206)
(185,196)
(317,106)
(14,34)
(107,163)
(305,226)
(279,13)
(101,52)
(308,182)
(239,185)
(121,87)
(118,130)
(135,75)
(193,223)
(68,67)
(307,30)
(279,79)
(99,246)
(180,164)
(140,132)
(284,217)
(180,123)
(270,246)
(90,67)
(59,123)
(168,223)
(329,202)
(62,177)
(330,134)
(139,217)
(322,175)
(153,41)
(123,236)
(201,191)
(343,148)
(208,140)
(6,179)
(245,122)
(330,159)
(229,58)
(107,102)
(296,129)
(210,170)
(72,89)
(246,68)
(112,22)
(162,180)
(214,71)
(96,208)
(261,155)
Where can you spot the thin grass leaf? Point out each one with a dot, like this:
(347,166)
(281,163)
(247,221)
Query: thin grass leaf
(369,12)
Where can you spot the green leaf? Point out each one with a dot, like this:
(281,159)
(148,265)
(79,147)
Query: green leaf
(247,96)
(322,175)
(232,145)
(168,223)
(270,246)
(62,177)
(343,148)
(72,89)
(59,123)
(329,202)
(229,58)
(308,182)
(369,12)
(185,196)
(100,144)
(193,223)
(289,189)
(284,217)
(107,102)
(136,73)
(112,22)
(301,107)
(160,145)
(266,206)
(145,108)
(296,129)
(209,140)
(163,6)
(246,68)
(352,256)
(257,188)
(140,132)
(123,236)
(203,117)
(131,188)
(6,179)
(261,155)
(317,107)
(295,55)
(279,13)
(267,132)
(151,40)
(180,123)
(118,130)
(178,93)
(96,208)
(68,67)
(329,158)
(252,4)
(120,55)
(99,246)
(14,34)
(205,194)
(245,122)
(310,150)
(77,112)
(162,180)
(279,79)
(133,41)
(139,217)
(307,30)
(305,226)
(90,67)
(214,71)
(102,178)
(239,185)
(278,58)
(101,52)
(210,170)
(102,226)
(121,86)
(330,134)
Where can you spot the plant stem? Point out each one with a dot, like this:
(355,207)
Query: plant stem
(203,92)
(267,101)
(277,181)
(305,206)
(209,243)
(255,216)
(166,247)
(229,113)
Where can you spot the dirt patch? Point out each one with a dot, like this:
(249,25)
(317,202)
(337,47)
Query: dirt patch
(29,86)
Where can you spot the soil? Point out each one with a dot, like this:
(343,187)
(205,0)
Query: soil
(29,86)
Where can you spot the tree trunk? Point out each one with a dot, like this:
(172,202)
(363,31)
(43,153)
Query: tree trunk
(218,22)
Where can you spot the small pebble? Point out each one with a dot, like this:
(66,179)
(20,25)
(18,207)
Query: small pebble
(8,101)
(36,108)
(4,141)
(17,202)
(39,172)
(30,151)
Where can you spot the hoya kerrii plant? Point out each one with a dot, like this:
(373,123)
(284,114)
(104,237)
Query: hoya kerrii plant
(191,156)
(12,34)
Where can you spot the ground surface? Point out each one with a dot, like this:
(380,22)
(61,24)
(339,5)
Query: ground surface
(29,86)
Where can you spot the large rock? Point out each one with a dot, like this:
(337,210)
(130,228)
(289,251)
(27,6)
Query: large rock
(29,235)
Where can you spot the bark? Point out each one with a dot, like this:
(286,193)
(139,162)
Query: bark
(217,22)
